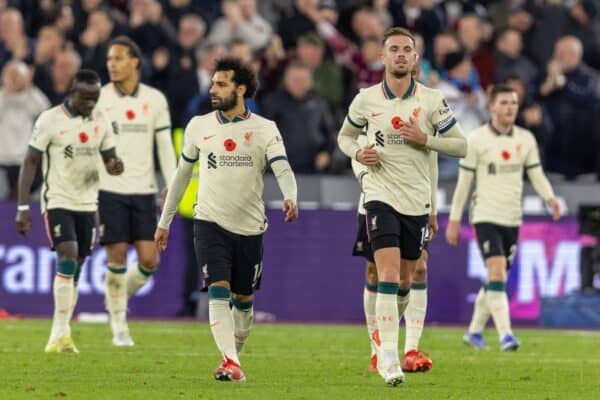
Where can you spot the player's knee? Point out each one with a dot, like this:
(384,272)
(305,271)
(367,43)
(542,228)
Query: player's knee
(67,251)
(420,275)
(242,298)
(149,261)
(371,273)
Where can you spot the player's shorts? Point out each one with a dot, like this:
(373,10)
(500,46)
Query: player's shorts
(497,240)
(362,247)
(388,228)
(126,217)
(71,226)
(227,256)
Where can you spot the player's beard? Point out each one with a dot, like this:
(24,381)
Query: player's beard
(224,104)
(400,74)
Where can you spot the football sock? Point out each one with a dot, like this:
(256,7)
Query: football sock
(136,277)
(243,315)
(414,316)
(221,321)
(386,311)
(481,313)
(63,297)
(497,301)
(116,298)
(369,298)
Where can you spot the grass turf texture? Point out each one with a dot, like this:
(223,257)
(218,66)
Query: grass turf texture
(176,360)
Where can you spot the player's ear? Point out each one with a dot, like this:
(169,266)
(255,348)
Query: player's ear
(241,90)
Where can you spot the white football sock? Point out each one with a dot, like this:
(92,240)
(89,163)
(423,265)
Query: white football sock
(497,301)
(116,298)
(243,315)
(386,311)
(414,316)
(221,322)
(369,299)
(481,313)
(136,277)
(63,297)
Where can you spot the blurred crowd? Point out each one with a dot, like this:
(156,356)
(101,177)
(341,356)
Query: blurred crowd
(312,56)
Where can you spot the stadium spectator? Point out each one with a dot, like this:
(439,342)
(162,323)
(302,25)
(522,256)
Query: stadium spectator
(307,131)
(443,44)
(94,41)
(174,10)
(241,21)
(20,104)
(466,99)
(14,43)
(63,69)
(175,71)
(49,43)
(584,25)
(149,27)
(570,91)
(511,62)
(301,20)
(471,33)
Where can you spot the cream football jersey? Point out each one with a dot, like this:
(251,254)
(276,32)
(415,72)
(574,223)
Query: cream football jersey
(498,162)
(70,145)
(136,119)
(402,179)
(233,156)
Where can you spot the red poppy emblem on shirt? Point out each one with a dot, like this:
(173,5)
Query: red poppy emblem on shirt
(83,137)
(505,155)
(230,144)
(397,123)
(130,114)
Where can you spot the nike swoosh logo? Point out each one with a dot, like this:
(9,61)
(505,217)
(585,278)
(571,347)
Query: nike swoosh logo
(208,137)
(373,114)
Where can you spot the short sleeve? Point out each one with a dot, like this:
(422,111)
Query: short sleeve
(190,150)
(275,148)
(356,113)
(42,135)
(469,163)
(442,117)
(162,120)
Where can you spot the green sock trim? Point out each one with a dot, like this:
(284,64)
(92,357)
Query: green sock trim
(403,292)
(218,293)
(77,274)
(387,287)
(419,286)
(242,305)
(496,286)
(484,288)
(369,287)
(117,269)
(66,267)
(145,270)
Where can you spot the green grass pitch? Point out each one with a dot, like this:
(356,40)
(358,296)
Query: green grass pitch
(175,361)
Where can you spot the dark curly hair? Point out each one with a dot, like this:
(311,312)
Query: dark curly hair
(242,74)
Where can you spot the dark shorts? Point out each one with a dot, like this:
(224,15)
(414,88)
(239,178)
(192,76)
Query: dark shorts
(126,217)
(71,226)
(362,247)
(497,240)
(388,228)
(226,256)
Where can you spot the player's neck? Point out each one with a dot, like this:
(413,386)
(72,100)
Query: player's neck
(503,129)
(239,109)
(398,86)
(127,86)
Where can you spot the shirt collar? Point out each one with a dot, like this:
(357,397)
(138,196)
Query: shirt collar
(242,117)
(121,93)
(71,113)
(387,92)
(497,132)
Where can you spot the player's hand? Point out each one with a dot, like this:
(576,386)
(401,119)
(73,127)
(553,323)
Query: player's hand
(453,233)
(554,208)
(368,155)
(114,166)
(291,210)
(412,133)
(433,226)
(23,222)
(161,236)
